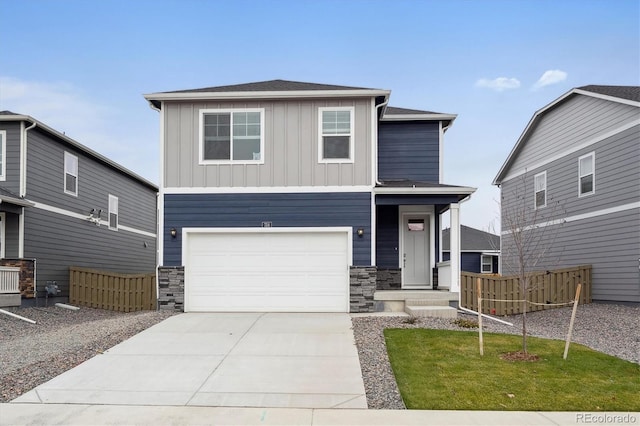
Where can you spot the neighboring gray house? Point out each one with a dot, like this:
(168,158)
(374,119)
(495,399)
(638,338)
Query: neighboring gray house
(580,157)
(62,204)
(479,250)
(291,196)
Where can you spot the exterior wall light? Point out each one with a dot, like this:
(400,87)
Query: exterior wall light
(360,232)
(173,232)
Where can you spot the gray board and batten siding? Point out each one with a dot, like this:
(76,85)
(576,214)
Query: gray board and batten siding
(280,210)
(409,150)
(290,151)
(58,241)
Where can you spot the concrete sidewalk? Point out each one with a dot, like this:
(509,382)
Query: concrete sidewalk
(71,414)
(222,360)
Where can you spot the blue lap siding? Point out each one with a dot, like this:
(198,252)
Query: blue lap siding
(282,210)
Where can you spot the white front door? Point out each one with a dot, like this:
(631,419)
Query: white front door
(416,271)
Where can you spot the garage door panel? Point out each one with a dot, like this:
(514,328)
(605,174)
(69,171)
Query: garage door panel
(267,271)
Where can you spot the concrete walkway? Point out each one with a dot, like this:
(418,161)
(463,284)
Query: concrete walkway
(221,360)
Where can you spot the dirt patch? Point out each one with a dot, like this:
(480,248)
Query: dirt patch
(520,356)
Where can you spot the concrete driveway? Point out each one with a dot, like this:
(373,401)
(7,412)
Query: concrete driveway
(222,359)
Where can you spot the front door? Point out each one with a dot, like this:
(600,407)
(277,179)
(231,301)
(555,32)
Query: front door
(415,251)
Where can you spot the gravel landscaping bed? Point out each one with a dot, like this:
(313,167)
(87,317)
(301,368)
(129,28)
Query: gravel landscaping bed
(31,354)
(608,328)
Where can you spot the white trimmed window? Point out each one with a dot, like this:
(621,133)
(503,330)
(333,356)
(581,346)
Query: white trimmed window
(113,212)
(335,142)
(232,136)
(586,174)
(70,174)
(540,190)
(487,264)
(3,154)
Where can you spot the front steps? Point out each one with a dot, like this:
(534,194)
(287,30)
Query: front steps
(418,303)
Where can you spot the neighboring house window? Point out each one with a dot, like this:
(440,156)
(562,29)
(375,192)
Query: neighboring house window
(231,136)
(70,174)
(336,135)
(487,264)
(586,174)
(113,212)
(540,189)
(3,153)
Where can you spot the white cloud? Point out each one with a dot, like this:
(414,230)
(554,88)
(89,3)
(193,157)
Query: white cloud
(499,84)
(550,77)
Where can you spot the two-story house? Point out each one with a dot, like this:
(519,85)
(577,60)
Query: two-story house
(576,171)
(62,205)
(291,196)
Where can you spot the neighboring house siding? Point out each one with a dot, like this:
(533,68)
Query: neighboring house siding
(469,262)
(610,243)
(12,171)
(387,239)
(576,121)
(45,184)
(290,153)
(282,210)
(58,242)
(409,150)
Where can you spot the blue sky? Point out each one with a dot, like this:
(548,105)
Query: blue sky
(82,66)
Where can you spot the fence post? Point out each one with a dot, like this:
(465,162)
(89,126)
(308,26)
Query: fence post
(573,317)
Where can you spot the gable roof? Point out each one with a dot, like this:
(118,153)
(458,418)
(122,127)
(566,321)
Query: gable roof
(12,116)
(628,95)
(270,89)
(472,239)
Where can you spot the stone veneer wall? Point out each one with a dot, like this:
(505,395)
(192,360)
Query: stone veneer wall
(362,283)
(27,275)
(389,279)
(171,288)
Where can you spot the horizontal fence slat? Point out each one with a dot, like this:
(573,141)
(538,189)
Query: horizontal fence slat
(546,288)
(111,290)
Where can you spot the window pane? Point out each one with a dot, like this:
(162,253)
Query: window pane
(217,150)
(336,147)
(586,184)
(70,183)
(113,220)
(540,198)
(253,117)
(586,166)
(246,149)
(415,225)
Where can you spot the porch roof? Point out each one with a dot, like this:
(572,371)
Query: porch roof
(392,192)
(9,197)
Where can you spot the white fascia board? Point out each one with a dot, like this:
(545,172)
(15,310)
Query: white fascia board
(283,94)
(521,140)
(17,201)
(419,117)
(426,191)
(265,189)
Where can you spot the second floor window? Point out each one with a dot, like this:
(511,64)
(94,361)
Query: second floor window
(540,189)
(586,174)
(231,136)
(70,174)
(336,135)
(113,212)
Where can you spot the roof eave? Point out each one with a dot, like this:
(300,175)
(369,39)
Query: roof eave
(17,201)
(460,190)
(420,117)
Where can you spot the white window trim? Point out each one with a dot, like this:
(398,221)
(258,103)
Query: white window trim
(202,112)
(535,191)
(592,154)
(64,174)
(113,200)
(482,257)
(351,135)
(3,221)
(3,149)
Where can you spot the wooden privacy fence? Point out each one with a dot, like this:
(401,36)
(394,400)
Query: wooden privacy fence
(112,291)
(545,289)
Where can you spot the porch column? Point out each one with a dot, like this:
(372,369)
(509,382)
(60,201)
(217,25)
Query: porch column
(454,245)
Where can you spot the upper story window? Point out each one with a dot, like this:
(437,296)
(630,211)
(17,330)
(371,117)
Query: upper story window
(586,174)
(3,153)
(336,135)
(231,136)
(540,189)
(70,174)
(487,264)
(113,212)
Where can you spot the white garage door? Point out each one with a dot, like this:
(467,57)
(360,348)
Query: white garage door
(267,270)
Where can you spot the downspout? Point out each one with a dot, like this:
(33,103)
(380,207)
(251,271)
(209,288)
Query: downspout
(23,160)
(469,311)
(159,203)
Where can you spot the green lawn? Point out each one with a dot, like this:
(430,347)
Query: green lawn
(443,370)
